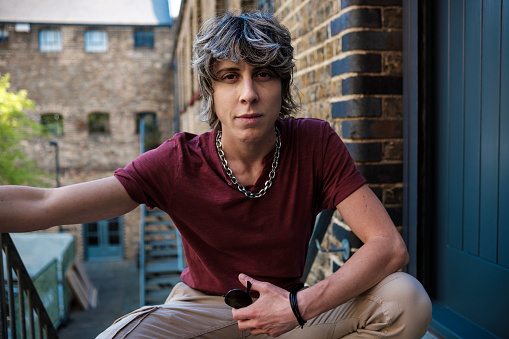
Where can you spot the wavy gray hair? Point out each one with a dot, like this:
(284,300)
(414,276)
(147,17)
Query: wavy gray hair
(256,38)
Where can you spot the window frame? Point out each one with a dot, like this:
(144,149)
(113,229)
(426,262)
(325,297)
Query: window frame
(96,41)
(100,126)
(146,40)
(54,127)
(50,40)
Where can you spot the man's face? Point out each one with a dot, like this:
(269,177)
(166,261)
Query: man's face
(247,100)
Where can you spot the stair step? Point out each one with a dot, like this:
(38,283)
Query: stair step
(162,243)
(163,252)
(162,266)
(156,213)
(159,223)
(161,232)
(163,280)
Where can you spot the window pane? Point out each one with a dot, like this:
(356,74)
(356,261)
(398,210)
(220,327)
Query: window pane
(53,123)
(96,41)
(144,38)
(93,241)
(98,123)
(50,40)
(113,227)
(4,37)
(114,239)
(151,129)
(92,227)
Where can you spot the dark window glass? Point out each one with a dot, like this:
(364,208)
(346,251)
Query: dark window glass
(143,38)
(151,129)
(53,123)
(98,123)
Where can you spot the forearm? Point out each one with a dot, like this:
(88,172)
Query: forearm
(369,265)
(21,208)
(24,209)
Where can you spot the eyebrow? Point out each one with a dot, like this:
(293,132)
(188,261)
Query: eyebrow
(236,69)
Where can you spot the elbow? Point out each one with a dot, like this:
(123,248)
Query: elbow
(401,255)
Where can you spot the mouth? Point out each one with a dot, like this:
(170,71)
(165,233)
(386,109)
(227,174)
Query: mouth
(249,116)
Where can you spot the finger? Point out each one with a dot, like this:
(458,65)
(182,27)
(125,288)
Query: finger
(244,278)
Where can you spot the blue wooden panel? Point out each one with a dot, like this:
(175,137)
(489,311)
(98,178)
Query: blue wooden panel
(473,22)
(441,149)
(503,219)
(456,121)
(490,77)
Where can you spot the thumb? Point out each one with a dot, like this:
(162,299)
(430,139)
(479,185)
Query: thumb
(244,278)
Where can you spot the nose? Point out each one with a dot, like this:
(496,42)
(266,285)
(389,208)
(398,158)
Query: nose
(248,92)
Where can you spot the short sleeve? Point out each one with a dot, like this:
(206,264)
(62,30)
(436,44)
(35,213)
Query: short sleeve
(340,176)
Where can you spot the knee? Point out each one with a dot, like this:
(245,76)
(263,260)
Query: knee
(413,303)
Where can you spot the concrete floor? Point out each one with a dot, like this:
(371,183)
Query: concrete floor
(118,294)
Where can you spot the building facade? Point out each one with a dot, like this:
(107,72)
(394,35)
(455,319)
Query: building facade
(93,78)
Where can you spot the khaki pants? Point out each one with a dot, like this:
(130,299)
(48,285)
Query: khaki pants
(397,307)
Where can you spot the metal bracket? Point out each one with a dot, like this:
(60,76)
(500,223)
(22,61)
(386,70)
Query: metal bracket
(345,248)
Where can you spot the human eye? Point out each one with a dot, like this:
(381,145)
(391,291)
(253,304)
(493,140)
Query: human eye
(229,77)
(265,75)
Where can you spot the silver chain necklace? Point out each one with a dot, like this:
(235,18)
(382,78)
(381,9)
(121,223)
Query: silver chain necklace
(232,177)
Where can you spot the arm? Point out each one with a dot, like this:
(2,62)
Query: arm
(24,209)
(383,253)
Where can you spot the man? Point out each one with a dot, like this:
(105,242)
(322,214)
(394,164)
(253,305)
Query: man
(244,197)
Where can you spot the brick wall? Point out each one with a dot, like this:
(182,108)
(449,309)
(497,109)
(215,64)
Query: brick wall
(349,72)
(122,82)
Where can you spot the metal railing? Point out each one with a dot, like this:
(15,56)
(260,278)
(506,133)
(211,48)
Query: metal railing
(22,313)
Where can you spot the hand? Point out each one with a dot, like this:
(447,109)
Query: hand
(270,314)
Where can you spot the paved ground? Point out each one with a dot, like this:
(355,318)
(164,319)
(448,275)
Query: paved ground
(117,284)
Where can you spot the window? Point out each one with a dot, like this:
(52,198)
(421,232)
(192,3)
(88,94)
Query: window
(4,37)
(98,123)
(53,123)
(50,40)
(151,129)
(96,41)
(143,38)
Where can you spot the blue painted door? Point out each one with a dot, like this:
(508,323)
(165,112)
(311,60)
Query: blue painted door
(470,90)
(103,239)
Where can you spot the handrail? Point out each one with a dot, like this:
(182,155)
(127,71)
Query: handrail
(141,255)
(24,285)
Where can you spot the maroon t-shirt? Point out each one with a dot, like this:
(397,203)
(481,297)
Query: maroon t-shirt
(225,233)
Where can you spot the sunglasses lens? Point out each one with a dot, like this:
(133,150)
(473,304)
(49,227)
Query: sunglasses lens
(238,299)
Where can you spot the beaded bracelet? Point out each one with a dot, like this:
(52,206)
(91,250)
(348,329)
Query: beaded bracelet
(295,308)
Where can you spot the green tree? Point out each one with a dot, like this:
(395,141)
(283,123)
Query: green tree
(15,167)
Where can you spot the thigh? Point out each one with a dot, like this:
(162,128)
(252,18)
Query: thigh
(187,313)
(397,307)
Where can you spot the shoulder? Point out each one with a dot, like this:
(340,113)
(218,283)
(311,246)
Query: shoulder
(308,130)
(305,124)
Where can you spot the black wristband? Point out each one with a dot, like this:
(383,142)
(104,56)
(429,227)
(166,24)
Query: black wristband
(295,308)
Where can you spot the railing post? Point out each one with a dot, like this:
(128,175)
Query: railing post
(3,308)
(25,285)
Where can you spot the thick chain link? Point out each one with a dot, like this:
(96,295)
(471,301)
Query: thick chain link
(232,177)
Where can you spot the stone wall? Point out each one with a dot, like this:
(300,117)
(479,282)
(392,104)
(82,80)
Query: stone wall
(122,82)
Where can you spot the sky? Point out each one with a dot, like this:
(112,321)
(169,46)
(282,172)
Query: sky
(174,7)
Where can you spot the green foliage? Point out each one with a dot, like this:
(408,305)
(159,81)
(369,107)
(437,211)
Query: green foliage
(15,126)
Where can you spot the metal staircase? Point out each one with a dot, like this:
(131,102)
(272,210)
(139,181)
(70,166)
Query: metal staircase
(161,256)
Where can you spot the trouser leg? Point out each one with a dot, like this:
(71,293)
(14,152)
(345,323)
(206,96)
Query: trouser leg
(397,307)
(187,313)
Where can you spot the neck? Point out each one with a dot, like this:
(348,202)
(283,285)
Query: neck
(248,152)
(246,159)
